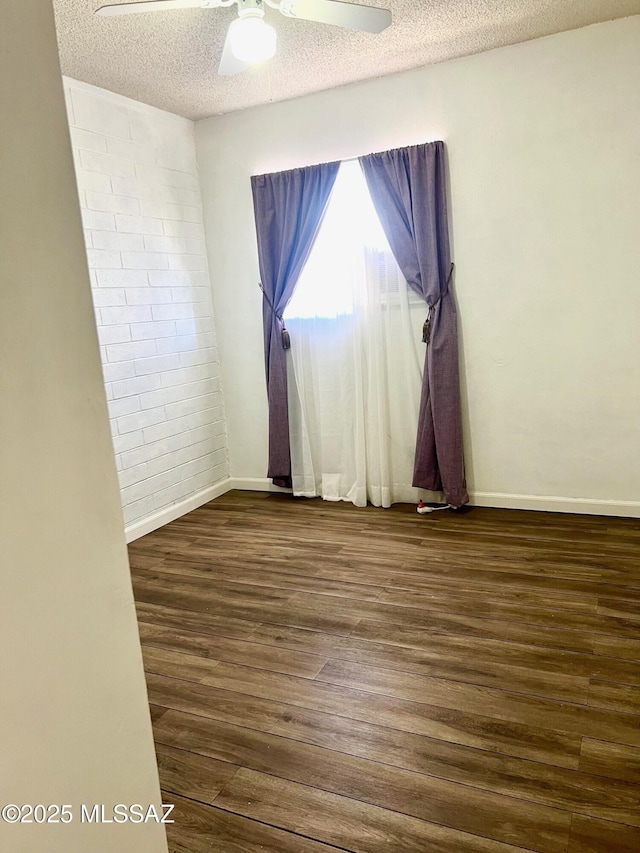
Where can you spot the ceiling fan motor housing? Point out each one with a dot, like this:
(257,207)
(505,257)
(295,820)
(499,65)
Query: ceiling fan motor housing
(251,39)
(250,8)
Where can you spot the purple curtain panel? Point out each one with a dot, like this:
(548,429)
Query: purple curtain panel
(288,208)
(408,189)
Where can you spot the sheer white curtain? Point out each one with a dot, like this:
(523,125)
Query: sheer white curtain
(355,369)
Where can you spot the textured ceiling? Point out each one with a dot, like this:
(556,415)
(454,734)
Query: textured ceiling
(170,59)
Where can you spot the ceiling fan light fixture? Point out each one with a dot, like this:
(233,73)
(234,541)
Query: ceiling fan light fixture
(252,40)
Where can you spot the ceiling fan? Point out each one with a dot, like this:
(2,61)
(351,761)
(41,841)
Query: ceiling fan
(250,39)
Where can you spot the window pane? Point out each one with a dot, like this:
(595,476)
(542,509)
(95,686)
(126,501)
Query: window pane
(350,235)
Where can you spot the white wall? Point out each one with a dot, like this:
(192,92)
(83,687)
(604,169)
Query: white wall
(543,141)
(74,718)
(142,213)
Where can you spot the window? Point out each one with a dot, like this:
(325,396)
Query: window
(354,365)
(350,245)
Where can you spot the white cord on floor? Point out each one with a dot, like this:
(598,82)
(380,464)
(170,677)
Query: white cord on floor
(422,508)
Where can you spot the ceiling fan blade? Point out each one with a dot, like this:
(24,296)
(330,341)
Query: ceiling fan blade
(229,65)
(353,16)
(147,6)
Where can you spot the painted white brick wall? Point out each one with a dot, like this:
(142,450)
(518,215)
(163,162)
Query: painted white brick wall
(142,213)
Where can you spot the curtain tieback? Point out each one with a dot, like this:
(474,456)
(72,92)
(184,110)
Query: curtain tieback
(426,328)
(286,339)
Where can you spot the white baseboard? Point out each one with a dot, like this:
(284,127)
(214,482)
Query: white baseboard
(541,503)
(555,503)
(170,513)
(255,484)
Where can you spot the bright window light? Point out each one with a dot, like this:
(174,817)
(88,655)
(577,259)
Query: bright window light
(350,228)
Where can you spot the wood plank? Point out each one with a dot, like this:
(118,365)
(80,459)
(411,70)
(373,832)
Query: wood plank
(619,697)
(618,647)
(274,658)
(420,617)
(224,705)
(475,628)
(453,652)
(200,828)
(205,623)
(588,618)
(461,663)
(514,570)
(435,563)
(628,610)
(512,567)
(341,821)
(505,819)
(577,663)
(577,719)
(262,575)
(156,712)
(589,835)
(575,791)
(447,589)
(226,591)
(144,559)
(192,775)
(615,760)
(459,726)
(151,592)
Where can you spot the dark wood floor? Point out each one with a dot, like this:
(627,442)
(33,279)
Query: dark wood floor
(328,678)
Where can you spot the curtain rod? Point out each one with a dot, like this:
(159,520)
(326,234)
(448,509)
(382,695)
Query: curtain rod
(360,156)
(348,159)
